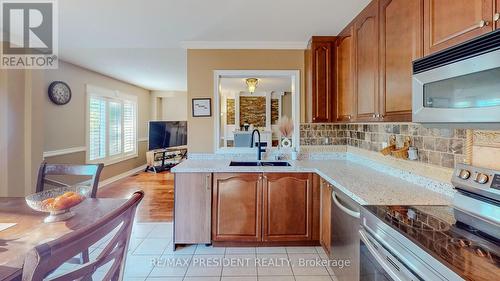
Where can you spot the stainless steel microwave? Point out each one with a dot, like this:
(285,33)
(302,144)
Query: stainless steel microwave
(460,84)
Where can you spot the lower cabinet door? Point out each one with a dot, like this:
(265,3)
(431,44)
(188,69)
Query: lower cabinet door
(287,207)
(236,207)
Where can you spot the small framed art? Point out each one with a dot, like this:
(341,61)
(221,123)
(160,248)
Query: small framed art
(202,107)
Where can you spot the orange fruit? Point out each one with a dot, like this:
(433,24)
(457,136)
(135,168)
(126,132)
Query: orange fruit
(48,203)
(68,194)
(61,203)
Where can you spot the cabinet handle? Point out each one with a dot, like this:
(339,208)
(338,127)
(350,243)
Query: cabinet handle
(496,17)
(374,115)
(483,23)
(349,117)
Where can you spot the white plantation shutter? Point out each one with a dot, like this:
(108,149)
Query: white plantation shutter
(115,128)
(97,128)
(112,126)
(129,132)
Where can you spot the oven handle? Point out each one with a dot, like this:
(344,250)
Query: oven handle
(343,208)
(387,264)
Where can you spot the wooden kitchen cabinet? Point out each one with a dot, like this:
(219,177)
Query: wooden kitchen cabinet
(326,216)
(344,75)
(236,207)
(401,42)
(320,79)
(450,22)
(366,38)
(287,208)
(496,16)
(192,205)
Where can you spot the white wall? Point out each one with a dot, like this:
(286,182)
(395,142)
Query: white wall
(169,106)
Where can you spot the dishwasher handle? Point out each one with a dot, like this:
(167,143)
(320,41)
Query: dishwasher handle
(344,208)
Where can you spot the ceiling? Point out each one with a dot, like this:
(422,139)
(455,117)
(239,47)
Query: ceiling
(266,84)
(143,41)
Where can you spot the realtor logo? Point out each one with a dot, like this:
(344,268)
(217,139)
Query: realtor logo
(29,33)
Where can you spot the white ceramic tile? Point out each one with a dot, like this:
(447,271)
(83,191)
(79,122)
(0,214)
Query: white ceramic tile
(276,278)
(170,266)
(239,265)
(202,249)
(313,278)
(205,265)
(271,250)
(239,278)
(180,250)
(162,230)
(307,264)
(164,279)
(320,250)
(152,246)
(138,266)
(134,243)
(240,250)
(301,250)
(273,264)
(196,278)
(142,230)
(133,279)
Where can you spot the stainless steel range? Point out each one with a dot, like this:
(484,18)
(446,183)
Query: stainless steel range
(458,242)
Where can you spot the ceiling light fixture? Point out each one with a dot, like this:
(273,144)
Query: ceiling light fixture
(252,84)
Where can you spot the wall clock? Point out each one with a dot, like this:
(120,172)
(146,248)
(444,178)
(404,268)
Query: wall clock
(59,93)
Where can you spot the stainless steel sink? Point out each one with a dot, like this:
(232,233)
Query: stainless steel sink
(261,163)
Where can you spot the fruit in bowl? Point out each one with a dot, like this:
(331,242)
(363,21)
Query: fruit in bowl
(58,201)
(65,201)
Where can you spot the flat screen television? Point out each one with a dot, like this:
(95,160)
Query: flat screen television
(165,134)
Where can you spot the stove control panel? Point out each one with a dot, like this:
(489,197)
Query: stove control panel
(482,181)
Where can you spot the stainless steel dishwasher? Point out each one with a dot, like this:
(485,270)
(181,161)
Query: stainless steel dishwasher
(345,243)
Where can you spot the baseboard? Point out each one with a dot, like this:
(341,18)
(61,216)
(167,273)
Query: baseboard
(121,176)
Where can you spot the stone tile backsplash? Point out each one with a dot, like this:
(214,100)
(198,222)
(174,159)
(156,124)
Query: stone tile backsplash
(442,147)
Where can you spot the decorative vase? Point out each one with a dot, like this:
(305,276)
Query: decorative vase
(285,142)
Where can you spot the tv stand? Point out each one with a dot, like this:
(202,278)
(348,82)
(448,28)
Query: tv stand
(160,160)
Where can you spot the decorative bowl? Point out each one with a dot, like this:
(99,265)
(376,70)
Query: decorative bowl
(58,201)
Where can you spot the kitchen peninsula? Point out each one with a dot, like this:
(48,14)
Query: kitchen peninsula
(287,205)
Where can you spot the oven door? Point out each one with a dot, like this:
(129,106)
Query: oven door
(467,91)
(379,264)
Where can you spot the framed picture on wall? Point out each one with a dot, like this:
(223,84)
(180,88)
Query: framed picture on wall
(202,107)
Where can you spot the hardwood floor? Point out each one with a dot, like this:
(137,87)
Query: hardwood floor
(158,202)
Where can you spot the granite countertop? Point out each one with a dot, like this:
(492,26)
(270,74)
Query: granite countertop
(365,182)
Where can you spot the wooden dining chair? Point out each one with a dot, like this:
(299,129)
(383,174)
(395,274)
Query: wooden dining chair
(44,259)
(93,171)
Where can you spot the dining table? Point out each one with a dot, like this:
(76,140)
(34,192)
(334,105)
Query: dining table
(22,228)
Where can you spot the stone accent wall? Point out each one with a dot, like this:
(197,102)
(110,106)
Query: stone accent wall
(253,111)
(443,147)
(230,109)
(275,111)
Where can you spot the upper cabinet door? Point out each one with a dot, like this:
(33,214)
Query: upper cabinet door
(449,22)
(366,48)
(401,42)
(322,83)
(319,79)
(344,73)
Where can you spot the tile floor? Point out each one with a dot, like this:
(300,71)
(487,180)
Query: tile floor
(151,258)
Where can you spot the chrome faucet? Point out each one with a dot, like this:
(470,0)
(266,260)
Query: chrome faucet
(259,148)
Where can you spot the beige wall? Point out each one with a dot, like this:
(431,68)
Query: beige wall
(21,122)
(64,126)
(202,63)
(169,105)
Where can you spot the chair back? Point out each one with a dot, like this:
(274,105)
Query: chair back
(46,258)
(93,171)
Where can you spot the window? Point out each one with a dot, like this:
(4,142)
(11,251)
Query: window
(111,126)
